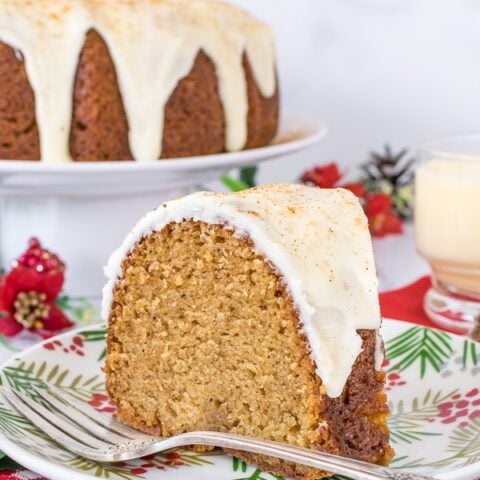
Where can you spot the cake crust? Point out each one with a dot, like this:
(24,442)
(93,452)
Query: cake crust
(18,127)
(319,422)
(99,128)
(194,116)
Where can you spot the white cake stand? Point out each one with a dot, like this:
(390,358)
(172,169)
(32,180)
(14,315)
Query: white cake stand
(82,211)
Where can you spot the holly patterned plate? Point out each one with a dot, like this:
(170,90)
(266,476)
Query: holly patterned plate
(432,383)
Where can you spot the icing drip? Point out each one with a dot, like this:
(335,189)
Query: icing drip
(153,44)
(319,242)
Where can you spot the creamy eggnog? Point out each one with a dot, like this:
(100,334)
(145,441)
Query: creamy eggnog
(447,221)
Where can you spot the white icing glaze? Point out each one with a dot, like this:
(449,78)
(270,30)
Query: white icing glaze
(153,44)
(319,242)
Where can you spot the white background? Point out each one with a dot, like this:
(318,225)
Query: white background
(398,71)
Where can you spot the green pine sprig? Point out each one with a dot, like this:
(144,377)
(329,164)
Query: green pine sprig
(98,335)
(419,345)
(104,470)
(471,353)
(23,377)
(4,342)
(80,309)
(465,442)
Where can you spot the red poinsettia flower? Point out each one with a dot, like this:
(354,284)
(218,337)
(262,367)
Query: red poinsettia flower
(381,217)
(378,203)
(29,291)
(357,188)
(322,176)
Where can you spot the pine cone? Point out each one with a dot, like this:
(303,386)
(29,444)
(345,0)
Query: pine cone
(391,167)
(393,175)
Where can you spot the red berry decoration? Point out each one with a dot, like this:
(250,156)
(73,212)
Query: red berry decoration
(39,259)
(28,293)
(325,176)
(464,407)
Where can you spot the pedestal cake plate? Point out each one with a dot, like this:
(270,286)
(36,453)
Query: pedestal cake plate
(83,210)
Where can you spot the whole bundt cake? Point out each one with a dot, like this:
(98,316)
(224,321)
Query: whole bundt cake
(254,313)
(91,80)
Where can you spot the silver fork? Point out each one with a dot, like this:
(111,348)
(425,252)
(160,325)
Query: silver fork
(81,429)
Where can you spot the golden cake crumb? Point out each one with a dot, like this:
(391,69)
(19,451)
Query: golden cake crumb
(203,336)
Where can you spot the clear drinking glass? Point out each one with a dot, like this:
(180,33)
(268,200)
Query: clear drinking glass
(447,226)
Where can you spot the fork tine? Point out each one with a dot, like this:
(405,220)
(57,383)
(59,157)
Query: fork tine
(105,420)
(58,421)
(81,419)
(53,432)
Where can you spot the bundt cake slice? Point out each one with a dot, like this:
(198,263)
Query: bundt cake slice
(254,313)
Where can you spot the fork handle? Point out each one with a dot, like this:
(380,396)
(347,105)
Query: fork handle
(354,469)
(408,476)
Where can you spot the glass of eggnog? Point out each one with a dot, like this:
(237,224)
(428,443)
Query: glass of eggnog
(447,226)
